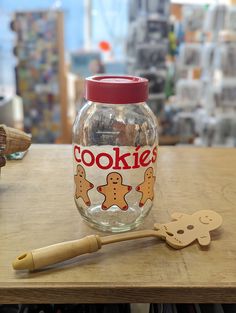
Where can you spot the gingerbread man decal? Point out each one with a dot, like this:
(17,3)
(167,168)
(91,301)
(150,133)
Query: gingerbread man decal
(187,228)
(82,185)
(147,186)
(114,192)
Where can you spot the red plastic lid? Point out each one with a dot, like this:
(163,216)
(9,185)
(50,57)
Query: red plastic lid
(116,89)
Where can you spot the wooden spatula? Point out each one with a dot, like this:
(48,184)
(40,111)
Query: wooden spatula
(179,233)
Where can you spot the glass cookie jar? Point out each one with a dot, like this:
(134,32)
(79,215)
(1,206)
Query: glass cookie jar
(115,144)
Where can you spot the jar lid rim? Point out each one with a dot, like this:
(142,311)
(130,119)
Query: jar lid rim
(117,79)
(117,89)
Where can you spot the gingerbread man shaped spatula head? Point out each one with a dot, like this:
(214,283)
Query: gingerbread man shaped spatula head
(187,228)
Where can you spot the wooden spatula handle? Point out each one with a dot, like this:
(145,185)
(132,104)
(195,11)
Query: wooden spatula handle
(42,257)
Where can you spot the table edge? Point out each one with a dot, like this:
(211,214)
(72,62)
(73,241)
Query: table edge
(115,293)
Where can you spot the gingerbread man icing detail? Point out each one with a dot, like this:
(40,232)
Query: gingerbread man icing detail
(82,185)
(147,186)
(114,192)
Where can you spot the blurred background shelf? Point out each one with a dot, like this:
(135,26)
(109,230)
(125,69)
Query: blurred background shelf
(186,49)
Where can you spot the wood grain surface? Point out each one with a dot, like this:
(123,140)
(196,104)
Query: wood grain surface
(37,209)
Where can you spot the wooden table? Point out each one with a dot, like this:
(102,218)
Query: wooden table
(37,209)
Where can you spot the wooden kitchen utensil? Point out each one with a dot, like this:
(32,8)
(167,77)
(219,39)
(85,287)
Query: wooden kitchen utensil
(179,233)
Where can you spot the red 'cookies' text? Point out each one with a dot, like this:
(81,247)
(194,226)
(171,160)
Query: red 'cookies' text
(117,160)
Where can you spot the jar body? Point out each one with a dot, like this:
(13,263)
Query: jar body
(115,153)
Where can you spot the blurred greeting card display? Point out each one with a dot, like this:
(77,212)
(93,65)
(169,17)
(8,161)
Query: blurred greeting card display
(40,76)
